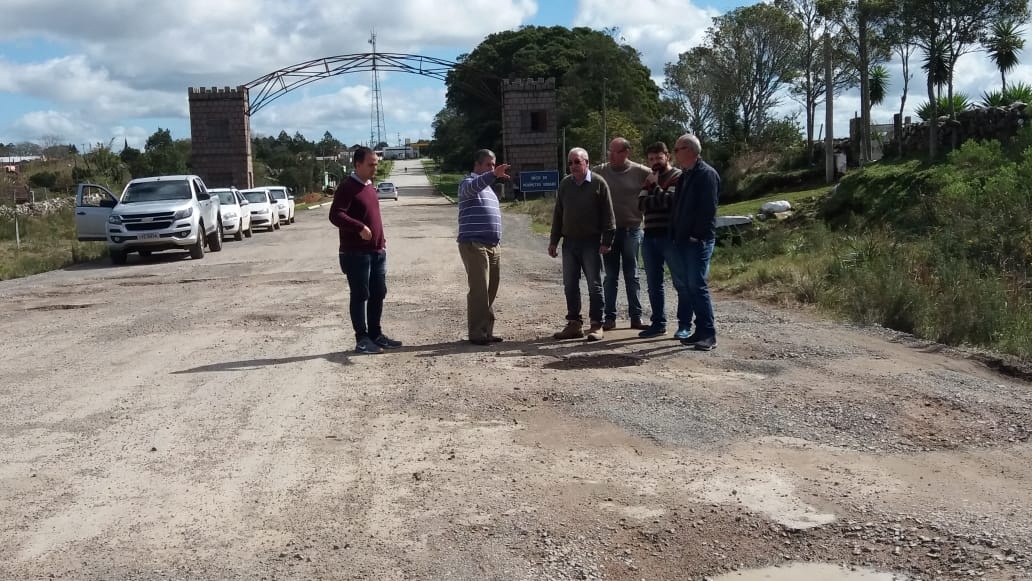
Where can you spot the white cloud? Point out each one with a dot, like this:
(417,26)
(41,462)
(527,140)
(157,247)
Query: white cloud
(660,29)
(135,61)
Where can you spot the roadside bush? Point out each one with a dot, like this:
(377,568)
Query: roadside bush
(897,194)
(764,183)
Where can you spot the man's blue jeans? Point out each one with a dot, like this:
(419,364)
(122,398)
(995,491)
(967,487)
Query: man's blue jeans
(689,267)
(367,281)
(655,253)
(623,255)
(582,256)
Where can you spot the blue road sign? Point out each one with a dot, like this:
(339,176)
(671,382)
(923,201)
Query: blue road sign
(539,181)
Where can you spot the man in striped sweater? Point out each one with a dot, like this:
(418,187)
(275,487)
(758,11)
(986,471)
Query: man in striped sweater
(655,201)
(480,233)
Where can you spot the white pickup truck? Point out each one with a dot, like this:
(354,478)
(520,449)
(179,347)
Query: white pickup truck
(152,214)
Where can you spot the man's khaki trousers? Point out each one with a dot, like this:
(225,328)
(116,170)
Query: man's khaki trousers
(482,264)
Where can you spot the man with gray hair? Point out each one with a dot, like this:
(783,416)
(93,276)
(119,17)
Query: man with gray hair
(693,233)
(480,233)
(583,220)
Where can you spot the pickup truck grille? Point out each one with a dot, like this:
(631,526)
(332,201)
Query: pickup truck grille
(152,221)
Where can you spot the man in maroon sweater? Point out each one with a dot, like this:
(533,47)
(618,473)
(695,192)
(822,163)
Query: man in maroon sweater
(363,252)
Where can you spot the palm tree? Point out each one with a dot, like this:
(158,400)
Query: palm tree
(1003,46)
(938,65)
(879,84)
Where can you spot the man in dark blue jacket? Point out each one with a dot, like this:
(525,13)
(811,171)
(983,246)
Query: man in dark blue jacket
(693,230)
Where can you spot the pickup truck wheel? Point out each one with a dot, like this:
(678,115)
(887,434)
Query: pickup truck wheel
(249,233)
(240,231)
(276,224)
(215,240)
(197,250)
(291,218)
(118,256)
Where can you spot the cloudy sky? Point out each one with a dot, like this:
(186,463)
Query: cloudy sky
(100,71)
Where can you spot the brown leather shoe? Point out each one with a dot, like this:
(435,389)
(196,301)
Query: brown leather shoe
(573,330)
(637,324)
(595,332)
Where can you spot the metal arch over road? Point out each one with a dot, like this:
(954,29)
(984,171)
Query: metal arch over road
(274,85)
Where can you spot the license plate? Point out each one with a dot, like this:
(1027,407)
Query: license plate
(149,236)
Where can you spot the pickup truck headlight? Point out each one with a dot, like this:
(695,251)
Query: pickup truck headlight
(229,215)
(184,213)
(114,219)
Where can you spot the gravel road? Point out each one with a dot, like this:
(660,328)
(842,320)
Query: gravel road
(206,419)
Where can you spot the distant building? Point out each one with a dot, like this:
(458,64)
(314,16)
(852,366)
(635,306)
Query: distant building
(16,159)
(399,152)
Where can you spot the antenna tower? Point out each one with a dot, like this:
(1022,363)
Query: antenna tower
(377,129)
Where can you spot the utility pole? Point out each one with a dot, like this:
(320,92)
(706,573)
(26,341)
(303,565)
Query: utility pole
(377,130)
(829,117)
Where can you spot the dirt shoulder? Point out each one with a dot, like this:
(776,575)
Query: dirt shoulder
(208,420)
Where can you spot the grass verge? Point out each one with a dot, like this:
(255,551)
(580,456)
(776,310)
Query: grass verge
(47,243)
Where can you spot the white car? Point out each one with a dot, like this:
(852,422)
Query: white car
(263,209)
(284,202)
(236,216)
(387,190)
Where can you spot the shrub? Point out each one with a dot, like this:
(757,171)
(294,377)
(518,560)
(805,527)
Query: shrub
(942,106)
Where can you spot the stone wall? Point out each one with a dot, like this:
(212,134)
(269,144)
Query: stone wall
(1000,123)
(220,131)
(529,125)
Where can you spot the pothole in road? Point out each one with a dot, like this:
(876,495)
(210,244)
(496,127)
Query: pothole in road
(809,572)
(59,307)
(599,361)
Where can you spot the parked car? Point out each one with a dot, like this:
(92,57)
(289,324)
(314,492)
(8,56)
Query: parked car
(284,202)
(387,190)
(263,209)
(152,214)
(236,216)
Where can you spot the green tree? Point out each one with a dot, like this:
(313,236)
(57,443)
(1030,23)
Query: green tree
(754,51)
(581,61)
(163,157)
(959,24)
(1003,45)
(589,134)
(697,99)
(809,87)
(328,146)
(103,164)
(135,161)
(861,23)
(879,77)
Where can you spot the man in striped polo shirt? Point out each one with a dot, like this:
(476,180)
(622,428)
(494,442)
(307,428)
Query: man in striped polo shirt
(480,232)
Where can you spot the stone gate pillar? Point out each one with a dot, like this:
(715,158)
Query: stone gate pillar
(220,134)
(530,137)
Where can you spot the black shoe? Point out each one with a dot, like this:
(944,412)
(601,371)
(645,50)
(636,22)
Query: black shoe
(367,346)
(707,344)
(480,341)
(495,339)
(609,325)
(691,339)
(386,342)
(653,331)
